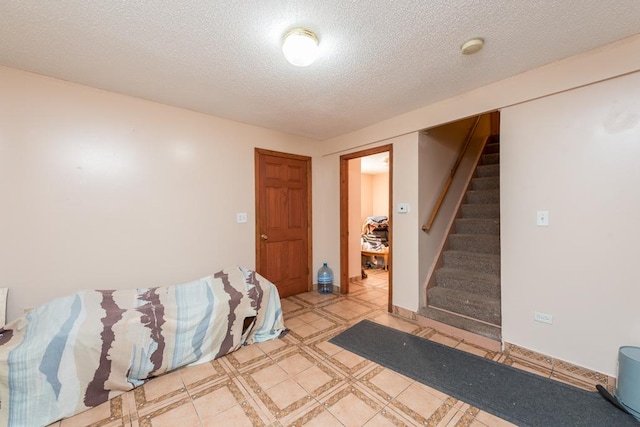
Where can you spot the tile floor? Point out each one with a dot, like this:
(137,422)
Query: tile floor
(302,379)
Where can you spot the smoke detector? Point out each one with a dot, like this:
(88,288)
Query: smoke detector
(471,46)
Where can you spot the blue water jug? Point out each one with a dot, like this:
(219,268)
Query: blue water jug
(325,280)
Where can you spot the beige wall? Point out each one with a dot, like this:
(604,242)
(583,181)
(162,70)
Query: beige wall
(609,61)
(101,190)
(404,245)
(366,194)
(576,155)
(326,214)
(375,195)
(380,196)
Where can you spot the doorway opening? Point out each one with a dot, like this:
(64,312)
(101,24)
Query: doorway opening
(354,215)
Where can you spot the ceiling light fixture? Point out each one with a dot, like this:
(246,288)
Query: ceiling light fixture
(472,46)
(300,47)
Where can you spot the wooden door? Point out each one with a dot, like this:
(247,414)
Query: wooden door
(283,220)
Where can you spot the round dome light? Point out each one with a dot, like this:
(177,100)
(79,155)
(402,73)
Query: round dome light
(300,47)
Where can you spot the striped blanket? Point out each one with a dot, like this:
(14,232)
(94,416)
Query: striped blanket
(79,351)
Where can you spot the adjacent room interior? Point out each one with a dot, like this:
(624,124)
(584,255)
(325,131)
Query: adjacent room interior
(172,184)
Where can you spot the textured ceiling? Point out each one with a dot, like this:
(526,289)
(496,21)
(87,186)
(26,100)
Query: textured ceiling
(377,58)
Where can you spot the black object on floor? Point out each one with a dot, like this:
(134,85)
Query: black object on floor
(611,398)
(517,396)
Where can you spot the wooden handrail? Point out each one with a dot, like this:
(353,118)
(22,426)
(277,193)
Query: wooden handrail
(447,184)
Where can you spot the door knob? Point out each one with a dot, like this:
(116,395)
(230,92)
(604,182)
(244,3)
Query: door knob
(264,236)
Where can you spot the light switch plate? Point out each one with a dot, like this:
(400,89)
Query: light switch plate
(542,218)
(241,217)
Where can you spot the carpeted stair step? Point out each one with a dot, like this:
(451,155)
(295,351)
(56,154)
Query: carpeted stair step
(491,159)
(491,148)
(481,307)
(472,261)
(483,196)
(467,288)
(471,281)
(483,211)
(464,323)
(484,171)
(484,243)
(485,183)
(477,226)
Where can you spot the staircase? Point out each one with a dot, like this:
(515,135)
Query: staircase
(466,294)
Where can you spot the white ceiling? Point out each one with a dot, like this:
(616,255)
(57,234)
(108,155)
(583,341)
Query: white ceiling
(378,58)
(375,164)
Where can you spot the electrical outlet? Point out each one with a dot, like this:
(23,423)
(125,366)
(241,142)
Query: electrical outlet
(543,317)
(241,217)
(542,218)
